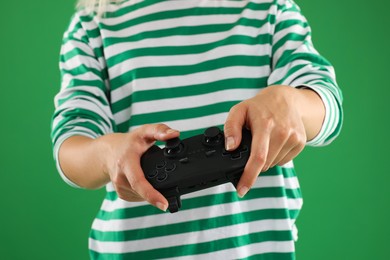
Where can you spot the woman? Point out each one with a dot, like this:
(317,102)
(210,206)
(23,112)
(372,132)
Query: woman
(139,71)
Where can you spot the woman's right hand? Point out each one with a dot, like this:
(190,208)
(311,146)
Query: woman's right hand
(123,162)
(91,163)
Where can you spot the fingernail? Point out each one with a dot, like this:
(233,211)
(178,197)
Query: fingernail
(169,131)
(242,191)
(162,206)
(229,143)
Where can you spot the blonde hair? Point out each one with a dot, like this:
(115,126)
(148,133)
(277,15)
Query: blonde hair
(97,6)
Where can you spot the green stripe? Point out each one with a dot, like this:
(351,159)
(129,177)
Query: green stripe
(82,69)
(210,65)
(94,121)
(184,31)
(191,49)
(73,53)
(171,14)
(290,56)
(180,114)
(183,13)
(184,91)
(198,202)
(191,226)
(272,256)
(292,36)
(81,95)
(74,82)
(130,8)
(202,248)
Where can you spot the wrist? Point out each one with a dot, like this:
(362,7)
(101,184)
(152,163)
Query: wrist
(105,147)
(311,109)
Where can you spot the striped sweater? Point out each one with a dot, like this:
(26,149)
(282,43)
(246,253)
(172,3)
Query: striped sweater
(185,63)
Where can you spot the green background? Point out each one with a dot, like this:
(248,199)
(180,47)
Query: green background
(345,185)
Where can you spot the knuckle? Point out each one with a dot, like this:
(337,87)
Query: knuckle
(115,180)
(283,133)
(234,108)
(135,183)
(121,193)
(295,138)
(259,157)
(268,122)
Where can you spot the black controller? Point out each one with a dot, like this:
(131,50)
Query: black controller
(195,163)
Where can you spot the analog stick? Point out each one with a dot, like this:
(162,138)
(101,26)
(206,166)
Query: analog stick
(212,135)
(173,147)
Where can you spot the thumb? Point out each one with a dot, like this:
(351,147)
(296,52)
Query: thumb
(233,126)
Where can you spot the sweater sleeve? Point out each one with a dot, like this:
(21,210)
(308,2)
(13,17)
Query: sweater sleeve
(296,63)
(82,105)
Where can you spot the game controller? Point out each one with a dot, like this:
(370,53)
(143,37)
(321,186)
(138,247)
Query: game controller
(194,164)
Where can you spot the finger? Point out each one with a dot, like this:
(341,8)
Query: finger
(140,185)
(293,144)
(291,155)
(233,126)
(160,132)
(122,186)
(256,161)
(277,145)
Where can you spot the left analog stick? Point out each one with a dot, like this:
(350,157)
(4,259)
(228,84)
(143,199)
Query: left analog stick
(173,147)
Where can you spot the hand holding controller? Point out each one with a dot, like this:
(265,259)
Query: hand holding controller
(195,163)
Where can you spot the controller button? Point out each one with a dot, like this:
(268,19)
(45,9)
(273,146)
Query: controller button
(244,149)
(152,174)
(162,176)
(225,152)
(210,153)
(173,147)
(160,164)
(184,160)
(170,167)
(212,135)
(236,156)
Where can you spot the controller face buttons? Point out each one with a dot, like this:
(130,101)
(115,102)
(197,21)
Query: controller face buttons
(236,154)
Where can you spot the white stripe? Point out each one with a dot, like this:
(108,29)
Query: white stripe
(188,40)
(94,91)
(199,122)
(245,251)
(296,29)
(170,104)
(288,45)
(189,80)
(289,15)
(289,165)
(193,214)
(186,239)
(294,77)
(196,20)
(90,104)
(67,78)
(168,6)
(263,182)
(189,59)
(80,60)
(72,44)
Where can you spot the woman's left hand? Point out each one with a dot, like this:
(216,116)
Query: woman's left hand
(275,119)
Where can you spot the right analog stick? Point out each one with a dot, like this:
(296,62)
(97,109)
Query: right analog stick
(212,135)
